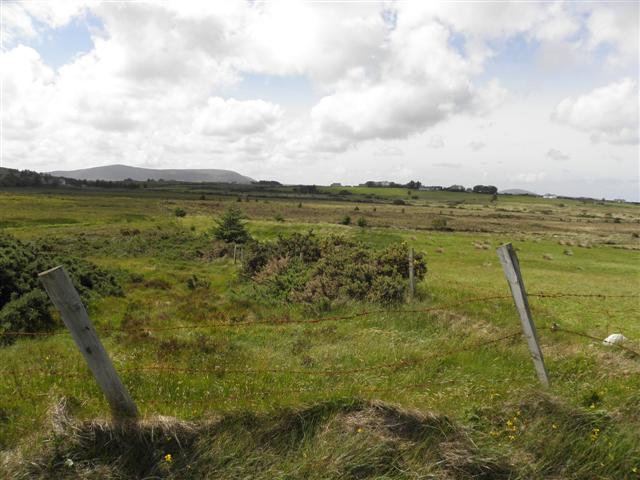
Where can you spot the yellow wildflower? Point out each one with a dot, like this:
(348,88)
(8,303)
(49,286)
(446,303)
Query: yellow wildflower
(554,426)
(168,458)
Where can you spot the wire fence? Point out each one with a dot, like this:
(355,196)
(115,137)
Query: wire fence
(283,321)
(390,366)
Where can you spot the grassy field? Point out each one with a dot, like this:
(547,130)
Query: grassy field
(258,389)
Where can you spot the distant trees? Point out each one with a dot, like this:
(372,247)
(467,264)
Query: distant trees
(412,185)
(230,227)
(490,189)
(268,183)
(306,189)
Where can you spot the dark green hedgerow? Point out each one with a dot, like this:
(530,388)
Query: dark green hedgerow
(24,306)
(306,268)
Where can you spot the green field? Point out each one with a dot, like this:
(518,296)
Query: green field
(260,389)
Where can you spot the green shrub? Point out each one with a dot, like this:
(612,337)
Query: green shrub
(362,222)
(230,227)
(180,212)
(20,264)
(346,220)
(439,223)
(28,313)
(399,201)
(304,268)
(194,282)
(278,217)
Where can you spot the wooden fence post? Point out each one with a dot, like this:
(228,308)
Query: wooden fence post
(235,250)
(511,267)
(412,283)
(66,299)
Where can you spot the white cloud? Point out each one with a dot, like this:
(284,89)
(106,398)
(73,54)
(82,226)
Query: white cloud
(615,25)
(235,118)
(436,141)
(476,145)
(609,114)
(529,177)
(388,151)
(557,155)
(26,19)
(420,82)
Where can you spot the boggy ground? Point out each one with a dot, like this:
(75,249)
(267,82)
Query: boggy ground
(260,389)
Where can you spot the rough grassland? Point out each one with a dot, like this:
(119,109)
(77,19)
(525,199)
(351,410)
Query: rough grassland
(391,394)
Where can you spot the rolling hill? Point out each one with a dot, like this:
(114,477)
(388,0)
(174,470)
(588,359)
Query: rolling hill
(123,172)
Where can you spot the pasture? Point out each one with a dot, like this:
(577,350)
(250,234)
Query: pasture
(267,389)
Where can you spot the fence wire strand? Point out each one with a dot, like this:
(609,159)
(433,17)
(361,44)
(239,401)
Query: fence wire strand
(335,318)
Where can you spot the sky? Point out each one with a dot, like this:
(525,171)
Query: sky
(539,96)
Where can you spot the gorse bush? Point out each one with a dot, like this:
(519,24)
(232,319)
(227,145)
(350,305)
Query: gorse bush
(28,313)
(305,268)
(24,306)
(231,228)
(346,220)
(439,223)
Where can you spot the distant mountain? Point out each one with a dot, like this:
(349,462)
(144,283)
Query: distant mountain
(517,191)
(122,172)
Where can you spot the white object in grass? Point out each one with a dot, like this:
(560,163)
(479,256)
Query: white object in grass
(614,339)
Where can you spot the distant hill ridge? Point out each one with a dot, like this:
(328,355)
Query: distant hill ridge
(517,191)
(122,172)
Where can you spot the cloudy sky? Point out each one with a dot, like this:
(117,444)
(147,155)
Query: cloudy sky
(541,96)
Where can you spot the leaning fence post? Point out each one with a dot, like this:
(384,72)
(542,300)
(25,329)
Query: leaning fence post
(66,299)
(511,267)
(412,283)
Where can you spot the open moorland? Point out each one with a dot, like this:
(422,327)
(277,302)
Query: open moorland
(234,380)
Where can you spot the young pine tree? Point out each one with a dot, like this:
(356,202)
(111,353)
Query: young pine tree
(230,227)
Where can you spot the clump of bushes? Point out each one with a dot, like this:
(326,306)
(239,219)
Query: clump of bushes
(346,220)
(24,306)
(439,223)
(194,282)
(313,270)
(180,212)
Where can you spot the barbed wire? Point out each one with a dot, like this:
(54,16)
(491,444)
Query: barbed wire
(288,321)
(557,328)
(403,363)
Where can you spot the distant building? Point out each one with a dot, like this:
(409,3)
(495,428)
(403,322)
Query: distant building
(336,184)
(455,188)
(431,188)
(620,200)
(549,195)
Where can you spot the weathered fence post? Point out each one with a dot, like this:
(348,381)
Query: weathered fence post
(66,299)
(412,283)
(511,267)
(235,250)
